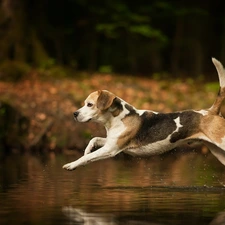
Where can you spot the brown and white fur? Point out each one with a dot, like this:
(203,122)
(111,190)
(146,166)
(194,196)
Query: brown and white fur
(144,132)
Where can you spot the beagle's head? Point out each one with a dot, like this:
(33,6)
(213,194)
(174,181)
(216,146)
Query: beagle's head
(97,105)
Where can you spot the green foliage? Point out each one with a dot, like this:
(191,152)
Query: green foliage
(49,68)
(122,18)
(13,70)
(108,29)
(105,69)
(212,87)
(147,31)
(55,71)
(47,64)
(129,36)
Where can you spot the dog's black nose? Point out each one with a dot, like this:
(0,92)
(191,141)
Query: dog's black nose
(76,114)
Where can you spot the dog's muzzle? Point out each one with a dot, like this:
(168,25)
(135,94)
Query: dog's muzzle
(75,114)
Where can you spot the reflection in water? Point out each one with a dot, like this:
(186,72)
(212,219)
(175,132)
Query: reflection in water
(82,217)
(173,189)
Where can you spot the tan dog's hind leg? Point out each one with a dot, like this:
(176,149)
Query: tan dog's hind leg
(213,128)
(217,152)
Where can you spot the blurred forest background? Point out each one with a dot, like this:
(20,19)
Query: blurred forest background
(155,54)
(122,36)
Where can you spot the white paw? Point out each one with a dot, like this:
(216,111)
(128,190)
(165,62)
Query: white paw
(69,166)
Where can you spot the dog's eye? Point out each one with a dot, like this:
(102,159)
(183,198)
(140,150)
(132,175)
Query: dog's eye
(89,104)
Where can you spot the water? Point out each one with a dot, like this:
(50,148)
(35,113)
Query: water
(185,188)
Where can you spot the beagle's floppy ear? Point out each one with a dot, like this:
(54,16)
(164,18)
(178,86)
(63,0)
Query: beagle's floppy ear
(105,99)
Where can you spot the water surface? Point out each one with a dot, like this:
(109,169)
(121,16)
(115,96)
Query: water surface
(173,189)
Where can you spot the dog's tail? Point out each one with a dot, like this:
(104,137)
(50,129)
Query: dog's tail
(215,109)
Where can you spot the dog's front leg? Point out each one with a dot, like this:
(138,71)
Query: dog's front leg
(99,154)
(94,143)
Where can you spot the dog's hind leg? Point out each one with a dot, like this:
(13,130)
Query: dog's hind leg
(217,152)
(213,130)
(215,108)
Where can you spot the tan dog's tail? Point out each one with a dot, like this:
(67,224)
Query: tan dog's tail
(215,109)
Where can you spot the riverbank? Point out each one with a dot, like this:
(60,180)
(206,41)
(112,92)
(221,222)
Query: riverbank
(48,104)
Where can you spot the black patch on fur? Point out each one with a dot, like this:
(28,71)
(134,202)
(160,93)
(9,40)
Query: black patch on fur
(131,109)
(157,127)
(190,121)
(118,105)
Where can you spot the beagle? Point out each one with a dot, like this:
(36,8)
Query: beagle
(144,132)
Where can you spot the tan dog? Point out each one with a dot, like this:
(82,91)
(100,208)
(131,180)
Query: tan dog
(144,132)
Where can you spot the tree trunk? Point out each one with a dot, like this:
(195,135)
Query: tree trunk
(39,55)
(176,47)
(20,41)
(196,59)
